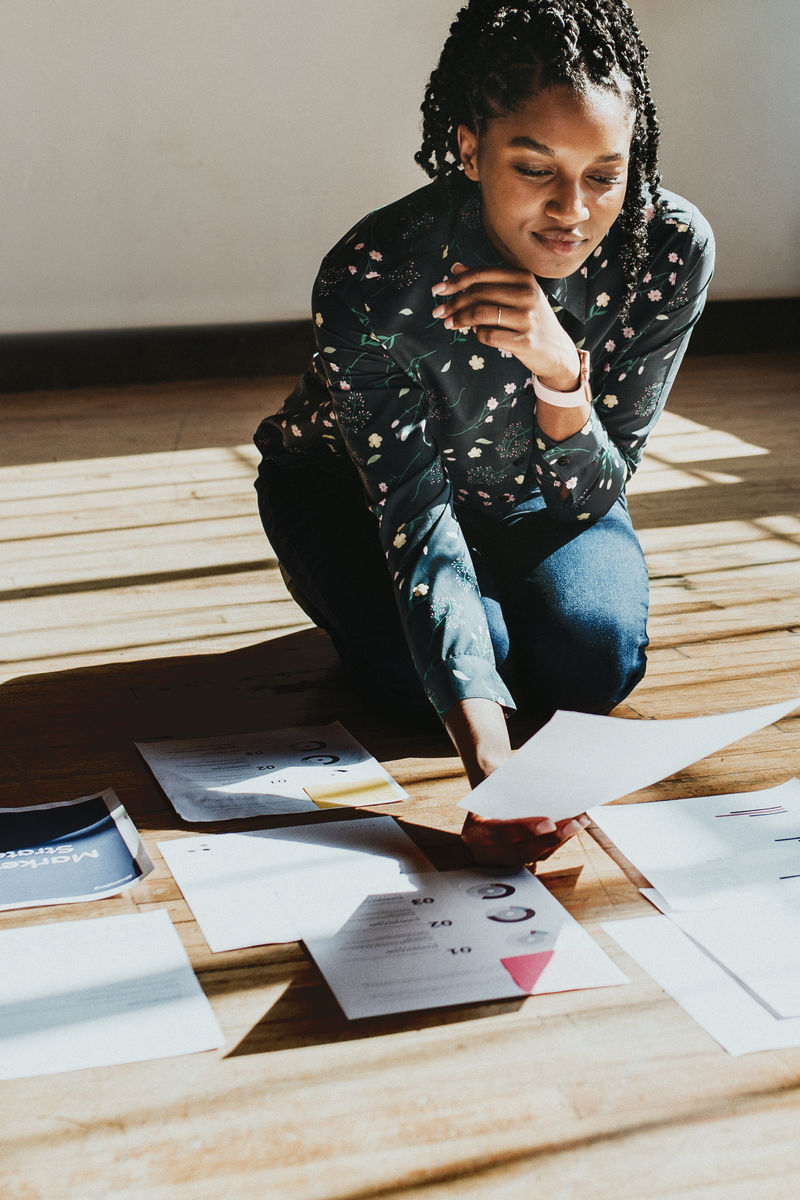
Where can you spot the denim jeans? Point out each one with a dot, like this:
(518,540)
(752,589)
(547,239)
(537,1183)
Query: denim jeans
(566,606)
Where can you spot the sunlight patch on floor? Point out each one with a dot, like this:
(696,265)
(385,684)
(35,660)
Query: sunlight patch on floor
(678,454)
(104,557)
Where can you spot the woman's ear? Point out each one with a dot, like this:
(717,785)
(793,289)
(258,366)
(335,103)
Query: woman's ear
(468,151)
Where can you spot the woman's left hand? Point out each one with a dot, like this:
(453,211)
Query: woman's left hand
(508,310)
(515,843)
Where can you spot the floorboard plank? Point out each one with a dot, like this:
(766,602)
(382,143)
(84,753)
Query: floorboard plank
(141,599)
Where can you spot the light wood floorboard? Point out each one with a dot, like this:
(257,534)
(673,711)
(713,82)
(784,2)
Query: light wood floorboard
(141,599)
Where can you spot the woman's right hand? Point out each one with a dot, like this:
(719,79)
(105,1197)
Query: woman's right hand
(515,843)
(480,734)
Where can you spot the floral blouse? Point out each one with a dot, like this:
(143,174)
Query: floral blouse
(435,422)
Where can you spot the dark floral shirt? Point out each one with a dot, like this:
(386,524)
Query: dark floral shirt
(434,421)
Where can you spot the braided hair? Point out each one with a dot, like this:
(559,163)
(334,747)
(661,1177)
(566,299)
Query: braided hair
(498,55)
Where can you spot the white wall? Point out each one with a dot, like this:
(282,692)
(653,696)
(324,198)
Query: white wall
(179,161)
(724,75)
(182,161)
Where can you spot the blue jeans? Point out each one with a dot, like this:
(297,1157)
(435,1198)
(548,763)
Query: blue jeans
(566,606)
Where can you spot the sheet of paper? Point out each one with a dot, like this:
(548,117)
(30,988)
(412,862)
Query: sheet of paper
(265,774)
(451,937)
(709,994)
(94,993)
(578,760)
(69,851)
(758,944)
(713,851)
(236,884)
(657,900)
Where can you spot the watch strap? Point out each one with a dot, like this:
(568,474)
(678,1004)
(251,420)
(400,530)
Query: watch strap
(581,394)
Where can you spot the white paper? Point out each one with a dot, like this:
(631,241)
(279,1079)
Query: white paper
(94,993)
(758,944)
(657,900)
(578,760)
(264,774)
(726,871)
(442,938)
(237,884)
(709,994)
(713,851)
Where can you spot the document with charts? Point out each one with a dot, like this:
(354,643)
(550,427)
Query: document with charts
(448,937)
(235,776)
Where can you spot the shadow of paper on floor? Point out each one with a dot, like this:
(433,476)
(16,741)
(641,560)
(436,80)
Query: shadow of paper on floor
(308,1015)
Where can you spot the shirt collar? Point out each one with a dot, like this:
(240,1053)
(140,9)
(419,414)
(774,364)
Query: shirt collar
(570,293)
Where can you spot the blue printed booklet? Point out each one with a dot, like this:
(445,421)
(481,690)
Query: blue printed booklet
(69,851)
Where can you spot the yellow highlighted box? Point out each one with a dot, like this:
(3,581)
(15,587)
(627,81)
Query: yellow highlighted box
(352,794)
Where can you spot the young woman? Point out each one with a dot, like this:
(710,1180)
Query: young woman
(445,487)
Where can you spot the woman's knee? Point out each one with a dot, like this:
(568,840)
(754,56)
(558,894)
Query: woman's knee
(616,663)
(586,666)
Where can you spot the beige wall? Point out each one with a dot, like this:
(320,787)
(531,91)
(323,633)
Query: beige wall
(181,161)
(725,78)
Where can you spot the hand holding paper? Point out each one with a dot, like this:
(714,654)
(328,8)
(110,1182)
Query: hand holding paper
(578,760)
(514,843)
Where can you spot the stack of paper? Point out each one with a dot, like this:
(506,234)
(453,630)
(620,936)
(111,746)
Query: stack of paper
(361,918)
(241,886)
(726,872)
(388,932)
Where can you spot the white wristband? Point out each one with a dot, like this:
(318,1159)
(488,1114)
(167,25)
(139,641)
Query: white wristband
(567,399)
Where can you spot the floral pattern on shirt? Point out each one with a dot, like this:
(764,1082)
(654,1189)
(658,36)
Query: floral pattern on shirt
(435,421)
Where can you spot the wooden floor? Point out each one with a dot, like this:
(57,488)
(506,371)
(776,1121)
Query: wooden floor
(141,600)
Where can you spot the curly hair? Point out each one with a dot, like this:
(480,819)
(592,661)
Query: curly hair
(498,55)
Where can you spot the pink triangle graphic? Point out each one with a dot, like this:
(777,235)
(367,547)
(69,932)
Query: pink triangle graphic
(525,969)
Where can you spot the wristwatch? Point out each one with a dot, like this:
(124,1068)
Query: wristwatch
(583,391)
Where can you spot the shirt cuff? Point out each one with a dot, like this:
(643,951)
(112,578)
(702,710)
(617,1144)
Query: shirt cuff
(466,677)
(585,467)
(564,458)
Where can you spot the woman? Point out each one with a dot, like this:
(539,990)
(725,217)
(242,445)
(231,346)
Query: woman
(493,351)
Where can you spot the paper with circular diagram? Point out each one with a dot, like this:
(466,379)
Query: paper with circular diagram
(235,776)
(447,937)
